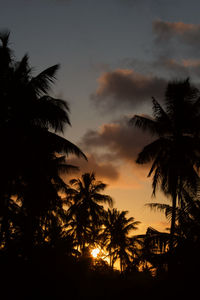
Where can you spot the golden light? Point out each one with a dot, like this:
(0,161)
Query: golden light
(95,252)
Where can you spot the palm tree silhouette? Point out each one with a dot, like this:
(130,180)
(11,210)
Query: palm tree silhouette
(175,151)
(33,150)
(117,228)
(187,216)
(85,199)
(186,240)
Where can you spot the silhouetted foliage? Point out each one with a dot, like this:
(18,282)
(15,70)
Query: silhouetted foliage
(32,153)
(116,236)
(48,227)
(85,210)
(175,152)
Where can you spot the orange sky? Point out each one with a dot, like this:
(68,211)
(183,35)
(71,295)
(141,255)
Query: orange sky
(131,191)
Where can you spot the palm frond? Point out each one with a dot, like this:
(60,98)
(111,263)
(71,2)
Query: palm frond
(4,37)
(62,145)
(145,123)
(51,113)
(151,151)
(156,180)
(98,186)
(161,117)
(42,82)
(5,51)
(167,209)
(99,198)
(67,168)
(22,68)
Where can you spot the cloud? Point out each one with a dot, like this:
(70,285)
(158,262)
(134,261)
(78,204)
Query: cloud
(186,33)
(133,85)
(102,169)
(191,63)
(112,151)
(120,141)
(176,68)
(125,88)
(181,68)
(170,68)
(175,51)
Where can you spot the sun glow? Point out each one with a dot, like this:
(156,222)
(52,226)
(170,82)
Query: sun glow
(95,252)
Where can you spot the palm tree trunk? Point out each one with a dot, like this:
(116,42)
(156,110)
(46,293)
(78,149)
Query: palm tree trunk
(121,265)
(110,254)
(173,220)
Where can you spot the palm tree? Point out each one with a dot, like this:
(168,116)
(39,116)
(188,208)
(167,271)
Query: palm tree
(33,150)
(187,217)
(187,238)
(175,151)
(117,228)
(84,200)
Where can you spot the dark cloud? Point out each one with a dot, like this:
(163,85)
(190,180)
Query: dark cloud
(120,140)
(177,49)
(186,33)
(112,151)
(122,89)
(102,168)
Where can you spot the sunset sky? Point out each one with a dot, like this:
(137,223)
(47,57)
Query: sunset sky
(114,56)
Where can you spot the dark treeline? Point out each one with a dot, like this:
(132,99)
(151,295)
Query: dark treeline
(48,227)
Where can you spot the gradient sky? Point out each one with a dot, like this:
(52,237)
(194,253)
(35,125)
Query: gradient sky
(114,56)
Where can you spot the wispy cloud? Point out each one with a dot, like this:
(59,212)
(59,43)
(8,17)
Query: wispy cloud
(185,33)
(167,66)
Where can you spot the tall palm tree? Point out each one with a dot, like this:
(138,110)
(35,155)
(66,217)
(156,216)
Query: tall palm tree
(175,150)
(187,216)
(187,239)
(85,205)
(32,154)
(119,243)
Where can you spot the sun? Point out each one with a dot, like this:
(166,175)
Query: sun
(95,252)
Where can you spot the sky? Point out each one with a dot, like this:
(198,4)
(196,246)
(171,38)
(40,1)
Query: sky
(114,56)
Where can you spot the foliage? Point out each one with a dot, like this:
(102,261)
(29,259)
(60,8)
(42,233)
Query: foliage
(116,236)
(48,227)
(85,210)
(32,154)
(175,151)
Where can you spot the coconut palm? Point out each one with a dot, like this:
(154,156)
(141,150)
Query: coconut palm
(118,242)
(187,216)
(175,150)
(187,238)
(33,151)
(85,206)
